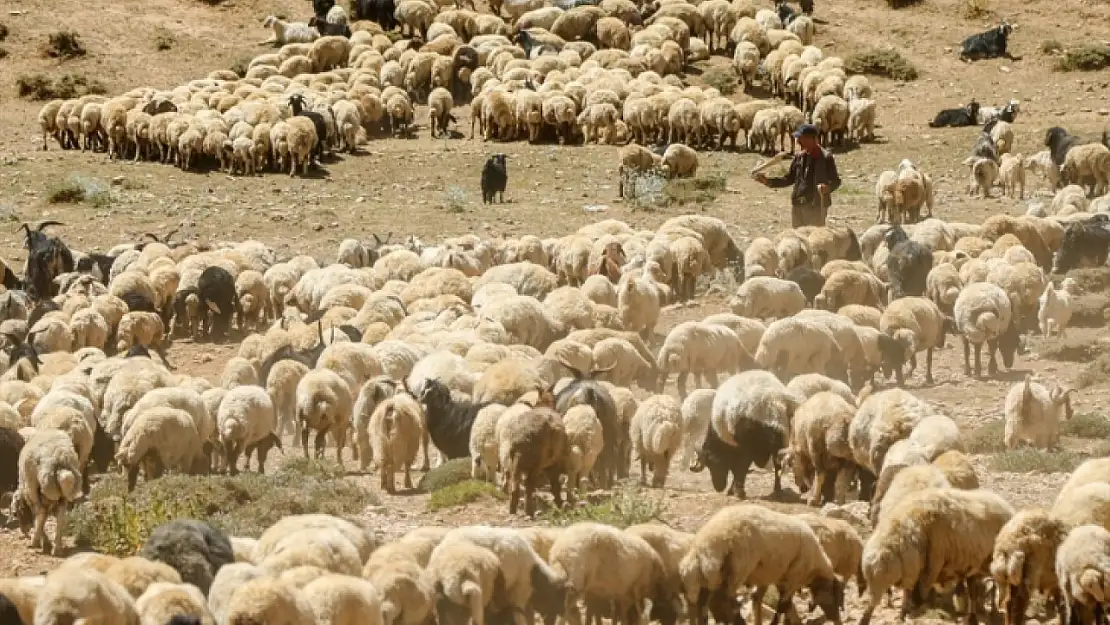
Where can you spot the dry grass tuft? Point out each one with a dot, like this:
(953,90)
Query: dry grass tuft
(974,9)
(1028,460)
(41,87)
(723,78)
(886,62)
(1087,57)
(64,44)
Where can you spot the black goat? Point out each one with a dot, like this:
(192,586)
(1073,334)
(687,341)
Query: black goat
(47,258)
(908,265)
(300,108)
(1059,143)
(11,443)
(758,443)
(1085,244)
(379,11)
(463,63)
(495,178)
(809,280)
(987,45)
(785,12)
(327,28)
(320,9)
(194,549)
(449,421)
(806,6)
(10,281)
(96,265)
(956,118)
(584,391)
(218,300)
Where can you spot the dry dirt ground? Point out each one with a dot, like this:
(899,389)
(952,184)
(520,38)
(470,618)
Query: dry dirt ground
(429,188)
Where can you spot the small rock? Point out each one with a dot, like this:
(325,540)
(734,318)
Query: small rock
(316,227)
(118,181)
(1104,112)
(1004,69)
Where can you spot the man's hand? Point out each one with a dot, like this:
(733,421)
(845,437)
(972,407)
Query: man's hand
(823,189)
(761,178)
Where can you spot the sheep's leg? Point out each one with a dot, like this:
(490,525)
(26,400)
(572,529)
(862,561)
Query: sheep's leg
(304,440)
(929,366)
(514,489)
(132,477)
(992,364)
(340,443)
(38,538)
(385,470)
(818,488)
(408,476)
(643,470)
(556,487)
(681,382)
(757,605)
(425,443)
(59,529)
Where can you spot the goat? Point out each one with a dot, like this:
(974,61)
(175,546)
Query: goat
(218,300)
(908,265)
(1085,244)
(320,9)
(47,258)
(957,118)
(379,11)
(987,45)
(326,28)
(449,421)
(984,144)
(1005,113)
(494,179)
(1059,143)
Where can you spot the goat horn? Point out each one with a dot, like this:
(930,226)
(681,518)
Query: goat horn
(48,222)
(152,236)
(767,164)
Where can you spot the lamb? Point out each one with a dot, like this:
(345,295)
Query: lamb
(915,545)
(749,545)
(1011,173)
(396,429)
(195,549)
(656,434)
(76,595)
(1034,412)
(532,446)
(819,445)
(324,404)
(579,552)
(766,297)
(160,439)
(1089,161)
(749,424)
(49,481)
(639,301)
(289,32)
(984,315)
(246,421)
(1082,565)
(704,350)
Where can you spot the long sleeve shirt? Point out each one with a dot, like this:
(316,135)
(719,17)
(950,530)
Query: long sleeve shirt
(806,172)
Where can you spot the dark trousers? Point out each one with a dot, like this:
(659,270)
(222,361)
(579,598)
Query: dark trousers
(808,214)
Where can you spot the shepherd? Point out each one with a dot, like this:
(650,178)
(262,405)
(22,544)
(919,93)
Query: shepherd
(813,175)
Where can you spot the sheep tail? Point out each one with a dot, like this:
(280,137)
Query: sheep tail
(69,483)
(989,322)
(1027,399)
(472,592)
(666,436)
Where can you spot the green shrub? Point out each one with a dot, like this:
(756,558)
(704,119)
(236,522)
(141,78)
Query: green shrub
(1029,460)
(460,494)
(447,474)
(71,191)
(116,522)
(64,44)
(886,62)
(1051,46)
(623,507)
(67,86)
(986,439)
(1087,425)
(1087,57)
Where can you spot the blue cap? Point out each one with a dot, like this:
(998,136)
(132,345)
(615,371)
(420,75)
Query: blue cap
(806,130)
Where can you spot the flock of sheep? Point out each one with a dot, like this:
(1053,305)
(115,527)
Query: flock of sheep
(610,73)
(522,356)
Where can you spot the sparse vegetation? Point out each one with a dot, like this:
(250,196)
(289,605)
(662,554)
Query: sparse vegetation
(623,507)
(1070,350)
(1086,57)
(1091,279)
(163,39)
(723,78)
(886,62)
(454,199)
(460,494)
(1051,46)
(1090,310)
(986,439)
(1095,371)
(66,86)
(241,65)
(447,474)
(648,191)
(1087,425)
(118,523)
(64,44)
(1029,460)
(76,189)
(974,9)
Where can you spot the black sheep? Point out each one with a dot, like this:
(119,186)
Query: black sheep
(463,59)
(11,443)
(987,45)
(1059,143)
(618,445)
(328,29)
(300,108)
(216,288)
(320,9)
(449,421)
(957,118)
(495,178)
(810,281)
(908,265)
(195,549)
(10,281)
(379,11)
(785,12)
(98,266)
(759,443)
(1085,244)
(806,6)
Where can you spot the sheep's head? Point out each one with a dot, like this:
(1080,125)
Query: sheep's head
(435,393)
(828,594)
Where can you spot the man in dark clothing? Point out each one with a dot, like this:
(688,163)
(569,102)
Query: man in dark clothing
(814,176)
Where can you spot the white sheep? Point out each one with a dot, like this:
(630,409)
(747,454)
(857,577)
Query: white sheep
(269,600)
(1034,412)
(324,404)
(395,431)
(162,601)
(704,350)
(289,32)
(166,438)
(584,443)
(74,594)
(984,314)
(343,600)
(49,481)
(656,434)
(1082,568)
(697,409)
(246,421)
(819,445)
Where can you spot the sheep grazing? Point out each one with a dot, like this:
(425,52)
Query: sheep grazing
(908,264)
(819,447)
(984,314)
(195,549)
(1024,561)
(495,178)
(395,432)
(990,44)
(448,420)
(532,446)
(954,118)
(49,481)
(1082,567)
(656,434)
(1034,412)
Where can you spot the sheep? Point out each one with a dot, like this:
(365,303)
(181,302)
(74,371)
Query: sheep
(758,548)
(984,315)
(324,404)
(841,543)
(846,287)
(908,264)
(463,575)
(831,115)
(49,480)
(159,439)
(75,595)
(819,445)
(697,409)
(883,419)
(269,600)
(531,446)
(1082,564)
(395,431)
(765,297)
(578,554)
(340,599)
(1024,560)
(983,172)
(750,423)
(1054,308)
(918,544)
(584,443)
(1089,161)
(289,32)
(449,421)
(246,421)
(704,350)
(163,602)
(1034,412)
(638,300)
(656,434)
(799,345)
(917,324)
(195,549)
(137,574)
